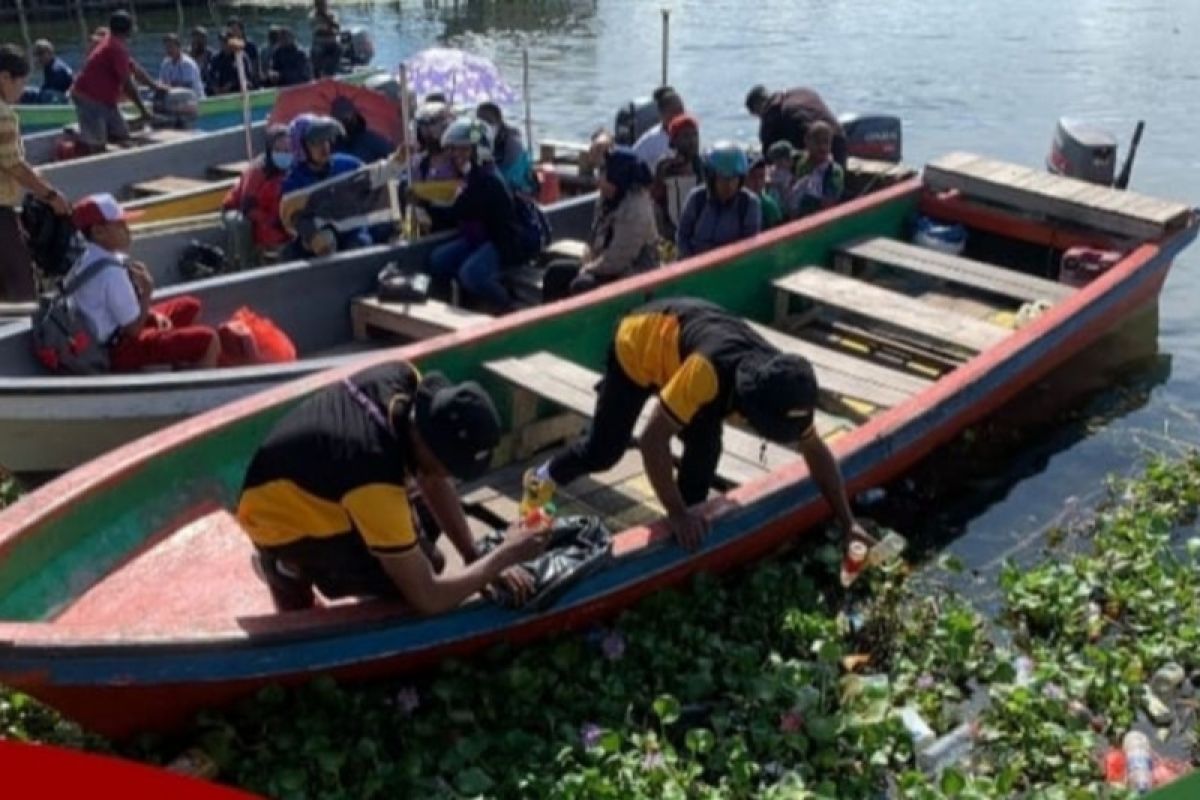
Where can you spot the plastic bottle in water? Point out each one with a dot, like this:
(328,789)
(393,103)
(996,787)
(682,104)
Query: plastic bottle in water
(950,749)
(1139,762)
(853,563)
(922,735)
(889,548)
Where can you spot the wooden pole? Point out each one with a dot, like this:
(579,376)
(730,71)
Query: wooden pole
(528,100)
(24,27)
(244,85)
(666,42)
(407,228)
(180,23)
(133,13)
(84,35)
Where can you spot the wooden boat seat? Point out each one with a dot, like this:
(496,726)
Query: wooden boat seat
(233,169)
(891,309)
(410,320)
(1101,208)
(846,375)
(572,387)
(168,184)
(956,270)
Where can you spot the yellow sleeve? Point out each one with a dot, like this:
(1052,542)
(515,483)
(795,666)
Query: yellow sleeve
(693,386)
(382,515)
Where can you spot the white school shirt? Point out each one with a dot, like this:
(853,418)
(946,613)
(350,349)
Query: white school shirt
(108,300)
(652,146)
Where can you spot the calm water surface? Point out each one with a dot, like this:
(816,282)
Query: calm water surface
(963,74)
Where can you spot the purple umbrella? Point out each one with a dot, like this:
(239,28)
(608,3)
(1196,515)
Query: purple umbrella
(464,78)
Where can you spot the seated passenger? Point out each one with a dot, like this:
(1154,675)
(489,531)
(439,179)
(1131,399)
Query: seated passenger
(290,64)
(326,497)
(781,173)
(57,77)
(655,143)
(511,155)
(677,173)
(223,69)
(257,193)
(490,236)
(722,211)
(313,161)
(820,180)
(624,237)
(432,162)
(116,300)
(178,69)
(756,182)
(360,141)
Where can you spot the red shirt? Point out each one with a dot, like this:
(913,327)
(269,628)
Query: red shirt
(102,77)
(257,196)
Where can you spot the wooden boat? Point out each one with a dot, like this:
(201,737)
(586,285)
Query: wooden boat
(216,112)
(125,588)
(52,423)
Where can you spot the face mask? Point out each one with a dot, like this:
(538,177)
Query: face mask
(282,160)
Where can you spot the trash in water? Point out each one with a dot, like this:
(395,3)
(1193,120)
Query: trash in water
(949,750)
(1139,766)
(853,563)
(1158,711)
(1167,680)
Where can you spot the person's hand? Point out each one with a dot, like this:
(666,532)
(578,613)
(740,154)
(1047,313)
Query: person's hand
(857,533)
(142,282)
(519,583)
(161,322)
(322,243)
(526,542)
(689,528)
(59,203)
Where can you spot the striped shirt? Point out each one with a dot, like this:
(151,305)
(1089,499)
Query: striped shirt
(12,153)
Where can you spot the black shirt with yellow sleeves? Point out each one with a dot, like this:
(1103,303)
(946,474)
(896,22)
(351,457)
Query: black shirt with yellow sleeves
(330,478)
(688,350)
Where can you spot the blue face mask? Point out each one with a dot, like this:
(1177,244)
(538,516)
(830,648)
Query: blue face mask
(282,160)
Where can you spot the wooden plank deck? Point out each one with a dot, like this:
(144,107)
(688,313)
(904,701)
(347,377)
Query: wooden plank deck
(846,375)
(571,386)
(168,184)
(233,169)
(956,270)
(1100,207)
(410,320)
(893,309)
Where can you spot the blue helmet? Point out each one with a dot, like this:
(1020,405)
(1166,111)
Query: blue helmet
(308,128)
(726,159)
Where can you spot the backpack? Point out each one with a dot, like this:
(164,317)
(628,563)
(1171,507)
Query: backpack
(535,231)
(199,260)
(64,340)
(52,241)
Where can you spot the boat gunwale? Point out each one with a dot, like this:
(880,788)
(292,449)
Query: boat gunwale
(890,424)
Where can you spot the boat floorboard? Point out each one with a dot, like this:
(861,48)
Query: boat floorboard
(411,321)
(861,299)
(956,270)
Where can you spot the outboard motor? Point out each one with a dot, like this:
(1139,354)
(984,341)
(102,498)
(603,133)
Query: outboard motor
(358,47)
(878,137)
(179,107)
(1082,150)
(633,119)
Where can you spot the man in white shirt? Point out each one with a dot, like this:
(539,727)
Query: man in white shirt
(655,143)
(178,69)
(116,300)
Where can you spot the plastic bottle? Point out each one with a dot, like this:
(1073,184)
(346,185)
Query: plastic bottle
(1167,680)
(853,563)
(922,735)
(949,749)
(1023,665)
(889,548)
(1139,762)
(1095,621)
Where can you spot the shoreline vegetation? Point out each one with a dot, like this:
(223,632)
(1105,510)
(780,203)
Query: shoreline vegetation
(771,682)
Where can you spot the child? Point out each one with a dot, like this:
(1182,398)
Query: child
(781,173)
(17,177)
(756,181)
(819,179)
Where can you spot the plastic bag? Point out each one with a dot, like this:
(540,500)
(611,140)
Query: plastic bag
(249,338)
(578,547)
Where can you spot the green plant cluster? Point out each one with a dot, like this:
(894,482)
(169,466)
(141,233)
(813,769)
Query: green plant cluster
(738,687)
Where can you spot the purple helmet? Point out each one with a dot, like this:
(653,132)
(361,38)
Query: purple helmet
(309,128)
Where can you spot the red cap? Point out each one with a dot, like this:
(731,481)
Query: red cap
(679,123)
(97,209)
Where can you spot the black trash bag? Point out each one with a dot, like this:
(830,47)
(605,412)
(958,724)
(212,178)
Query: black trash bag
(199,261)
(397,286)
(52,240)
(578,547)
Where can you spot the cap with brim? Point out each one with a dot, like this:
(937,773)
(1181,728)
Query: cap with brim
(777,394)
(98,209)
(459,424)
(781,149)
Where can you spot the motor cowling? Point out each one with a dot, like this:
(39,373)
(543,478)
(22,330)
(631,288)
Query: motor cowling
(1084,151)
(633,119)
(879,137)
(358,46)
(179,106)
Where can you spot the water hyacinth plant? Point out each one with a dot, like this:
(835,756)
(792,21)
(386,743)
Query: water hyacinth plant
(737,688)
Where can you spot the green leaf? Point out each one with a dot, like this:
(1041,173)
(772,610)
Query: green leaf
(473,781)
(952,782)
(666,708)
(699,740)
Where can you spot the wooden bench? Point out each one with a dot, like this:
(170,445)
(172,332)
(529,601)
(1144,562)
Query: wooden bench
(168,184)
(571,387)
(1098,207)
(233,169)
(846,375)
(956,270)
(891,309)
(411,321)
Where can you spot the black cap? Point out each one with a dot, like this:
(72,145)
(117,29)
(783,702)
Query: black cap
(777,394)
(755,96)
(458,423)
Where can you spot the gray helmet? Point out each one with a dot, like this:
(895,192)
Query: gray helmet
(467,132)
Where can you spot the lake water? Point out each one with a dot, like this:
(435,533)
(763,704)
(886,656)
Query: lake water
(963,74)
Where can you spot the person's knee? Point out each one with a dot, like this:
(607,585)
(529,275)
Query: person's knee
(601,452)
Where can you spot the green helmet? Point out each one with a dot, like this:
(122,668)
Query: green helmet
(466,132)
(727,160)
